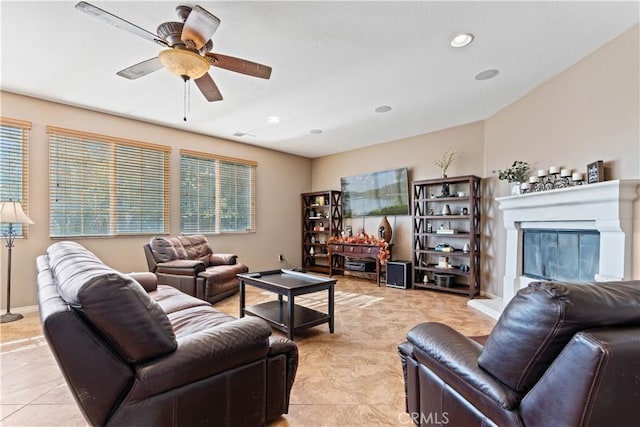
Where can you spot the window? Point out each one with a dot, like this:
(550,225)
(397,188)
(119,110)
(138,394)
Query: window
(217,194)
(14,176)
(105,186)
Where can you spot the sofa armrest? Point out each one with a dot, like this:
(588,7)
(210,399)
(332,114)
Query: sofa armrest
(282,345)
(204,354)
(223,259)
(454,358)
(181,267)
(149,281)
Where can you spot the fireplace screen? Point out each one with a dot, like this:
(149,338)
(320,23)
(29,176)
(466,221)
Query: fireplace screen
(570,255)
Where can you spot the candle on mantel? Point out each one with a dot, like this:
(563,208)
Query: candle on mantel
(542,172)
(524,186)
(565,173)
(553,170)
(577,176)
(533,179)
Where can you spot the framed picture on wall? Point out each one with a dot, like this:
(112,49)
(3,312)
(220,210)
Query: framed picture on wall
(595,172)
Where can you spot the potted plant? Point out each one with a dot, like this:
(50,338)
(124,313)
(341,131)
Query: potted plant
(516,175)
(445,161)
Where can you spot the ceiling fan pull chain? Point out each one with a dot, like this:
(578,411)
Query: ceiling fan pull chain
(184,98)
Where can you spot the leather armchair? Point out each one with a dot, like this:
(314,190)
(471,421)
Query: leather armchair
(135,353)
(188,263)
(561,354)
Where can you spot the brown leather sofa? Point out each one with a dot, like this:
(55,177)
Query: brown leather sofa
(135,353)
(561,354)
(188,263)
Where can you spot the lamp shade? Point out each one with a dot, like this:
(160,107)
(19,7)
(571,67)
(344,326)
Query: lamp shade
(11,212)
(184,63)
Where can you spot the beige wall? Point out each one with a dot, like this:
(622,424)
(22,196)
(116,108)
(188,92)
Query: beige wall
(278,194)
(588,112)
(416,153)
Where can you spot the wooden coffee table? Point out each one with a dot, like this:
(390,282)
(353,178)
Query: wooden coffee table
(286,316)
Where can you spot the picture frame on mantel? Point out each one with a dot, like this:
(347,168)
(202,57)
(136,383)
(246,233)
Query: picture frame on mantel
(595,172)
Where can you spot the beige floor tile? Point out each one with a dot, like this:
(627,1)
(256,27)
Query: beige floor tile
(46,415)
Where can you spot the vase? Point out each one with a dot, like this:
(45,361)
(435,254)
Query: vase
(384,230)
(515,188)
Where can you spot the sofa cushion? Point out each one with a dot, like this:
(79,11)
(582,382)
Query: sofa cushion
(194,247)
(114,303)
(541,319)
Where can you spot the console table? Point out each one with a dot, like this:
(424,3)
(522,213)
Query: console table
(339,251)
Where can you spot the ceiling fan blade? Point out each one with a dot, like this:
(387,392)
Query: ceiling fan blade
(141,69)
(239,65)
(116,21)
(208,88)
(199,27)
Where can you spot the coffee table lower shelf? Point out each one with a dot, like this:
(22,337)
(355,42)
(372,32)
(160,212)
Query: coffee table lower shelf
(276,314)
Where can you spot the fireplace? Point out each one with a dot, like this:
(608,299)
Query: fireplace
(604,209)
(552,254)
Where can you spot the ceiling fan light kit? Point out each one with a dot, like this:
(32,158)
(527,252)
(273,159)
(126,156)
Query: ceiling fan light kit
(182,62)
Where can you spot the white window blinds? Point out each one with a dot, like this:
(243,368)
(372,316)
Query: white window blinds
(217,194)
(105,186)
(14,173)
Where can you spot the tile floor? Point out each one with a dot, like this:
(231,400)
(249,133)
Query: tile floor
(350,378)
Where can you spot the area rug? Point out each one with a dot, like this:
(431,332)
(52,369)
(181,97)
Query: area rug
(341,299)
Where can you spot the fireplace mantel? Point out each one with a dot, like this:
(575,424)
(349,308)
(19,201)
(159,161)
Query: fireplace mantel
(606,206)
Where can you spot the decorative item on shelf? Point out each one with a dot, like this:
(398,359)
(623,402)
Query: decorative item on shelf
(444,192)
(443,247)
(446,210)
(312,251)
(384,254)
(443,280)
(466,248)
(384,230)
(313,213)
(553,179)
(443,230)
(464,211)
(464,267)
(595,172)
(429,228)
(11,213)
(516,175)
(313,239)
(445,161)
(443,262)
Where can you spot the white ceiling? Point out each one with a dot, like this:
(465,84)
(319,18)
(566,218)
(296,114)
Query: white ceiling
(333,63)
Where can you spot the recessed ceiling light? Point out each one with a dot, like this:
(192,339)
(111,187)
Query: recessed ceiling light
(462,40)
(486,74)
(383,109)
(315,131)
(240,134)
(273,120)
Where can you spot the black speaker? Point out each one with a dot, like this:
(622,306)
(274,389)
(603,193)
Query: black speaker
(399,274)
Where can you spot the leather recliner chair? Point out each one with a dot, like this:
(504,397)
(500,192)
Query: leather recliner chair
(561,354)
(135,353)
(189,264)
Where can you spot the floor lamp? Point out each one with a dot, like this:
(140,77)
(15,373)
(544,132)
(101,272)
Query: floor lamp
(11,213)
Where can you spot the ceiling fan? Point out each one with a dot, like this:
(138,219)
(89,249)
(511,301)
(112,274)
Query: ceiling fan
(188,48)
